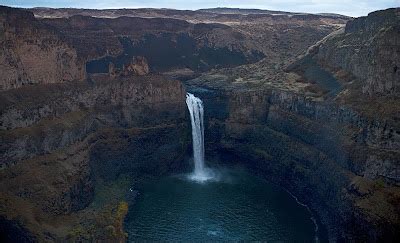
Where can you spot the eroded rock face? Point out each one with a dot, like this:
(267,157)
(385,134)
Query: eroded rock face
(167,44)
(318,150)
(52,160)
(369,49)
(326,133)
(138,66)
(31,53)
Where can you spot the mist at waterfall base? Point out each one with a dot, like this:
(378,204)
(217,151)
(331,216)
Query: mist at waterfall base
(238,207)
(218,204)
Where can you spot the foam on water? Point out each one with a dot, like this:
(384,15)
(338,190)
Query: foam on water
(207,175)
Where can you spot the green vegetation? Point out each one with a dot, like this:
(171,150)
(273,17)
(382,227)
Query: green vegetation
(103,220)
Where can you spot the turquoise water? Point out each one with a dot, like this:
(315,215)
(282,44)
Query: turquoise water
(236,207)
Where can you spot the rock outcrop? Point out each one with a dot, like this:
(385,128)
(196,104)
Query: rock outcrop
(32,53)
(138,66)
(368,50)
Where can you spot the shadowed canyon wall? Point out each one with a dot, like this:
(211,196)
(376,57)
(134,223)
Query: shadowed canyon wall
(335,160)
(55,148)
(167,44)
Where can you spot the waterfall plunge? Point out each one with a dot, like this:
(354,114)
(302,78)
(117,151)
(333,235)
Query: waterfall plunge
(196,110)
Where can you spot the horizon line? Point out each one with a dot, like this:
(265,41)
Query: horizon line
(185,9)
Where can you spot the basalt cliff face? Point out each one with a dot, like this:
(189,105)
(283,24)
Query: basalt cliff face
(368,48)
(167,44)
(343,165)
(66,141)
(184,44)
(32,53)
(327,129)
(60,141)
(102,111)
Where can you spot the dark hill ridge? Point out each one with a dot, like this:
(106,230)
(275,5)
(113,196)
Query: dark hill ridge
(152,12)
(247,11)
(324,127)
(242,11)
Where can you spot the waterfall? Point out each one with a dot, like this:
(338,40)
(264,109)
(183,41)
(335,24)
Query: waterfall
(196,110)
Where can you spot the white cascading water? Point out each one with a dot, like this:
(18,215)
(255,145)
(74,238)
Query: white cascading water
(196,110)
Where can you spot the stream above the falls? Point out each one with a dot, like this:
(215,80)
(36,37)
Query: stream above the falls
(237,207)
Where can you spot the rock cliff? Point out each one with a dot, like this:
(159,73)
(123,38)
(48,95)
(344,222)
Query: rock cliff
(167,44)
(369,50)
(338,162)
(33,53)
(362,59)
(57,148)
(316,130)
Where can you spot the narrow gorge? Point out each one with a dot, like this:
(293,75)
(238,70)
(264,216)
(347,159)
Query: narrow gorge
(121,125)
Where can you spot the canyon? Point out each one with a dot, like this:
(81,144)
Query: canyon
(92,100)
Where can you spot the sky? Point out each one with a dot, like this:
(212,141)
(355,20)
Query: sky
(354,8)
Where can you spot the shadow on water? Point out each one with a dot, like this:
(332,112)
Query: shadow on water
(236,206)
